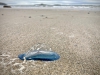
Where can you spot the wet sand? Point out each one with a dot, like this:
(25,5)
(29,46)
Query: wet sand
(73,34)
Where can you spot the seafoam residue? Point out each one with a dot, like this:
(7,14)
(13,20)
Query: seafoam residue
(9,62)
(18,66)
(21,67)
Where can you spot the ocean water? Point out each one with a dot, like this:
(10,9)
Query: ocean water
(74,7)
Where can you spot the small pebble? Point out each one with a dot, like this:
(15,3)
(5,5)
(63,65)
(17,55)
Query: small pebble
(29,16)
(42,15)
(88,13)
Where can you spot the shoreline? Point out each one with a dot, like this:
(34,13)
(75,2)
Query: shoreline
(51,9)
(82,8)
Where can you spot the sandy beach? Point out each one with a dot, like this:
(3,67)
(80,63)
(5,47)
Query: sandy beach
(73,34)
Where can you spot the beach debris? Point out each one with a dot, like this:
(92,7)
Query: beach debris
(46,17)
(42,15)
(2,14)
(88,13)
(29,16)
(39,53)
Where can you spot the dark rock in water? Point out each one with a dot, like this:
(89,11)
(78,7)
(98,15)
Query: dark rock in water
(6,6)
(39,55)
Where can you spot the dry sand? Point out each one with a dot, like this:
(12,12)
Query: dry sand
(73,34)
